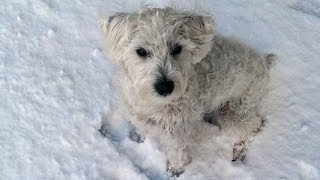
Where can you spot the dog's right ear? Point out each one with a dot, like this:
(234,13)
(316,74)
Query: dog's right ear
(117,32)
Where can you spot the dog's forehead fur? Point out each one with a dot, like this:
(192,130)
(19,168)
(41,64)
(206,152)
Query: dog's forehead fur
(166,26)
(158,27)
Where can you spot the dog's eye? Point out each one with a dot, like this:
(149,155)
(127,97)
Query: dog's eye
(176,50)
(142,52)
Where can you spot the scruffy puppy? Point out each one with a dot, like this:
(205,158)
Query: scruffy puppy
(174,69)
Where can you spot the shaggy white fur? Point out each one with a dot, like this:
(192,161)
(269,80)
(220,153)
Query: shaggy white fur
(209,72)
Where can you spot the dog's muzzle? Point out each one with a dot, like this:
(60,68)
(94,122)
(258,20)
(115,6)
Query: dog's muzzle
(164,87)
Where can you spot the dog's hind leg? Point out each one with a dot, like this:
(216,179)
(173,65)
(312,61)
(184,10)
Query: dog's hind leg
(243,128)
(240,119)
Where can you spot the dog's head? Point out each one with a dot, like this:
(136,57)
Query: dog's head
(157,48)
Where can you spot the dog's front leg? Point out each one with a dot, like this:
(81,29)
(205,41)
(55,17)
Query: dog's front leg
(179,155)
(180,141)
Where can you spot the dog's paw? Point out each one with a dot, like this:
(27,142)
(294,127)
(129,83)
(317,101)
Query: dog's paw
(135,136)
(174,171)
(239,151)
(177,170)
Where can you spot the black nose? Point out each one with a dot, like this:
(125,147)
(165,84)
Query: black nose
(164,87)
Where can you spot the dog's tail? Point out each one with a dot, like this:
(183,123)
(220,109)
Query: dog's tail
(270,58)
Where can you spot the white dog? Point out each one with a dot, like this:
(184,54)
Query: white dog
(175,69)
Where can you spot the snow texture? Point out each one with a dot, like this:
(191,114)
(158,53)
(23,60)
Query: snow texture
(56,88)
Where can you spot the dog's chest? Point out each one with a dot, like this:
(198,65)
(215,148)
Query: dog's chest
(163,116)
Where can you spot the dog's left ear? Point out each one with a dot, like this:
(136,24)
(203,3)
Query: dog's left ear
(200,30)
(117,32)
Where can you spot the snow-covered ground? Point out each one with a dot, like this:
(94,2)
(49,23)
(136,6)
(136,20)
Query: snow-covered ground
(55,89)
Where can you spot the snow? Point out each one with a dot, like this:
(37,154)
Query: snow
(55,89)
